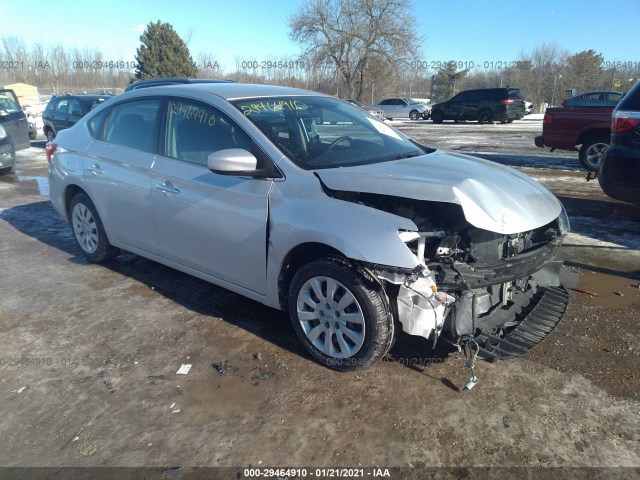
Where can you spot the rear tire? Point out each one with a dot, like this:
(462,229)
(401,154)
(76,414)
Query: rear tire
(340,314)
(592,152)
(437,116)
(88,230)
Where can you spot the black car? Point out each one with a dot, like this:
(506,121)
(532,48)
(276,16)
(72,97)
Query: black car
(14,131)
(158,82)
(486,105)
(619,174)
(65,110)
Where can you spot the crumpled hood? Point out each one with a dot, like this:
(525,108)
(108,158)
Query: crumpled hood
(493,197)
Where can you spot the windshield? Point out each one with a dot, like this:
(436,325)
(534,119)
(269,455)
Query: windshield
(323,132)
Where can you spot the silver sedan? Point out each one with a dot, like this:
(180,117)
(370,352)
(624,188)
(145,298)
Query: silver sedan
(305,203)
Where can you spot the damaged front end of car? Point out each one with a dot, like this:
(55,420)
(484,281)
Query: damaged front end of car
(503,290)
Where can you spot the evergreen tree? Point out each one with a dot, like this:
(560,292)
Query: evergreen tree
(163,54)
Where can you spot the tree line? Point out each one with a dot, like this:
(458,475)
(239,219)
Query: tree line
(363,49)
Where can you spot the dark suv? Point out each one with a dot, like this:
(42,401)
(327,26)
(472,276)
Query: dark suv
(619,174)
(503,104)
(64,111)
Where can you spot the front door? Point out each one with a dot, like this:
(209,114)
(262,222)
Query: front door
(215,224)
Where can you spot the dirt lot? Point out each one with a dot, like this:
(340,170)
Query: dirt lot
(90,353)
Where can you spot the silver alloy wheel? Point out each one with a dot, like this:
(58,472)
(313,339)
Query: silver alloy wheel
(595,153)
(84,228)
(331,317)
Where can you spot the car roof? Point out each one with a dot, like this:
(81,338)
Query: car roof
(598,91)
(82,95)
(160,81)
(227,91)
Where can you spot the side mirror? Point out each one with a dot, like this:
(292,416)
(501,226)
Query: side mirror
(232,161)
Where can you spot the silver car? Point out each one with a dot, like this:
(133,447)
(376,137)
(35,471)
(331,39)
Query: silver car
(404,108)
(308,204)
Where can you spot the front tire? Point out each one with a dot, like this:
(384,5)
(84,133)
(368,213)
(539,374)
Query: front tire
(50,135)
(592,151)
(414,115)
(88,230)
(340,314)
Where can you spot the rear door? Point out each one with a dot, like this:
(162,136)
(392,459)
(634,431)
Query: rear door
(14,120)
(75,112)
(118,171)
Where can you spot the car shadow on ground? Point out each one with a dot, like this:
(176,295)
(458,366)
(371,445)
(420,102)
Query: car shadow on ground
(41,222)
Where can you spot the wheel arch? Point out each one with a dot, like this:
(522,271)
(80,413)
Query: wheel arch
(597,132)
(71,191)
(297,257)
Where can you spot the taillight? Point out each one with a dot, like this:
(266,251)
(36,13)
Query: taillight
(564,103)
(508,101)
(625,121)
(50,147)
(548,118)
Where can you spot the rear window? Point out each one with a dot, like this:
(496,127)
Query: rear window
(515,93)
(91,103)
(631,101)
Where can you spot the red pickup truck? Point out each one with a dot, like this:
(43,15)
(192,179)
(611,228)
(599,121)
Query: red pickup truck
(566,128)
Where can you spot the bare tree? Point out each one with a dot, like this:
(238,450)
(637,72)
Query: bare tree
(353,34)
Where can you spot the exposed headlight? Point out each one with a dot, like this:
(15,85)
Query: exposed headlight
(3,133)
(563,222)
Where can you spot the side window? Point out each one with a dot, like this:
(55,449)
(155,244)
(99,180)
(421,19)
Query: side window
(8,103)
(386,102)
(133,124)
(461,97)
(75,108)
(62,105)
(194,130)
(95,123)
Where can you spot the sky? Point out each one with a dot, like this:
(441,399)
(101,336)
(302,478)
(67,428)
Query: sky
(475,31)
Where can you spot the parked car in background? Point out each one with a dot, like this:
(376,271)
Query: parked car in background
(403,108)
(356,230)
(528,107)
(486,105)
(64,111)
(603,98)
(163,81)
(14,130)
(32,128)
(619,174)
(370,109)
(568,128)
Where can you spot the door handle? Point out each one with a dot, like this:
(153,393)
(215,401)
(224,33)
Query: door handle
(95,170)
(166,187)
